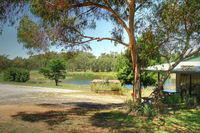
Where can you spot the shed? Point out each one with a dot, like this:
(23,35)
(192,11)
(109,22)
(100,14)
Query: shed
(187,75)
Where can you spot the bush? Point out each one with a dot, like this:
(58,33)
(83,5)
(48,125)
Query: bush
(107,87)
(189,102)
(17,75)
(142,109)
(148,110)
(174,101)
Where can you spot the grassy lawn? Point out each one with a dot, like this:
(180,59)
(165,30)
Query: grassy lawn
(101,120)
(92,75)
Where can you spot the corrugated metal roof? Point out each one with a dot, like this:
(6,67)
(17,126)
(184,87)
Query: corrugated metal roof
(189,65)
(193,59)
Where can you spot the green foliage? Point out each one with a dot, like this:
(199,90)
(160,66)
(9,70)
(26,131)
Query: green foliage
(143,109)
(31,35)
(173,99)
(177,27)
(82,61)
(130,105)
(148,55)
(122,60)
(76,61)
(148,110)
(55,70)
(125,72)
(17,75)
(96,87)
(148,49)
(189,102)
(105,64)
(125,75)
(4,62)
(176,102)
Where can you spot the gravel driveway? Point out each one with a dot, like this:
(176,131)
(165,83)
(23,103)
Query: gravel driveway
(20,95)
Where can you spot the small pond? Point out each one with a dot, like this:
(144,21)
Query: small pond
(169,84)
(85,81)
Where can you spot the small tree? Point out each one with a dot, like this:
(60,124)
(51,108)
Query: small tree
(55,70)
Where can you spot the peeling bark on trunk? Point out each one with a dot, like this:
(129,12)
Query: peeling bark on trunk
(134,55)
(136,73)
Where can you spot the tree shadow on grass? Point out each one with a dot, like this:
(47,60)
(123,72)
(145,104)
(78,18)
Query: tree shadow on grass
(91,105)
(49,117)
(114,120)
(190,120)
(81,108)
(122,123)
(57,117)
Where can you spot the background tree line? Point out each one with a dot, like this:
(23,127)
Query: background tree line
(76,61)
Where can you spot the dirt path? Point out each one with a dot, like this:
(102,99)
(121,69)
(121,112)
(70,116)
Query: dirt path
(22,95)
(25,109)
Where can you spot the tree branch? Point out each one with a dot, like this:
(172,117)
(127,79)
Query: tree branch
(106,38)
(131,16)
(138,7)
(103,7)
(99,38)
(86,11)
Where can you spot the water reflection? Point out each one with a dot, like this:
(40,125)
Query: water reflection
(169,84)
(87,82)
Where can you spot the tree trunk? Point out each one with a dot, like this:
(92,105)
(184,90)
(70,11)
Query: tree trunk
(136,76)
(56,81)
(161,84)
(134,55)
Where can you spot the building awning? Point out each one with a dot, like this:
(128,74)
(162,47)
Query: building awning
(188,65)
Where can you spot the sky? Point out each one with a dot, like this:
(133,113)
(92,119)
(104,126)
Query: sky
(9,45)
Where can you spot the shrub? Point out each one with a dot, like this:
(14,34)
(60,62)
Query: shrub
(142,109)
(189,102)
(17,75)
(174,101)
(148,110)
(171,100)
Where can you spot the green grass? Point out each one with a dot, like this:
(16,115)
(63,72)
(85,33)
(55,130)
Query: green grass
(187,121)
(104,121)
(39,80)
(92,75)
